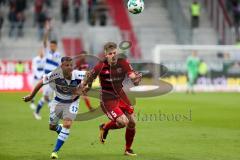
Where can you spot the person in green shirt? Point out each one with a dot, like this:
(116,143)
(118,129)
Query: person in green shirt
(203,68)
(195,10)
(192,64)
(19,68)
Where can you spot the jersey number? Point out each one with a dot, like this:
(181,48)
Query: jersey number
(73,109)
(113,114)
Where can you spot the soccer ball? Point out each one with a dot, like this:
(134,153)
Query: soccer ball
(135,6)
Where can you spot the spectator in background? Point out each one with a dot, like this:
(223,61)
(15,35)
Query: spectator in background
(16,17)
(12,4)
(91,12)
(1,23)
(38,7)
(101,11)
(236,16)
(42,18)
(48,3)
(2,2)
(195,11)
(20,24)
(19,68)
(65,10)
(21,6)
(202,68)
(12,17)
(77,6)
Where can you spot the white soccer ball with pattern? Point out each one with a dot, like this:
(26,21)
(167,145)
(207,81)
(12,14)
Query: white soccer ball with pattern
(135,6)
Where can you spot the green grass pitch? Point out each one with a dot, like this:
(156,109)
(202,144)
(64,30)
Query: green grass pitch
(176,126)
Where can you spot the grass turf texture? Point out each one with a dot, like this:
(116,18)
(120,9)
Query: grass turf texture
(211,131)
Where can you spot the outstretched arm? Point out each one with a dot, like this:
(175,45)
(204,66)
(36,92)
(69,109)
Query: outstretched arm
(45,36)
(132,74)
(34,92)
(91,76)
(87,81)
(135,77)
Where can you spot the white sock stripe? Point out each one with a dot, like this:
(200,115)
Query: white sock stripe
(62,136)
(64,133)
(65,130)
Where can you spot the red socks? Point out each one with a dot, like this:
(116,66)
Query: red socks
(129,136)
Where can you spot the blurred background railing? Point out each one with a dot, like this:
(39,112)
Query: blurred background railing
(181,25)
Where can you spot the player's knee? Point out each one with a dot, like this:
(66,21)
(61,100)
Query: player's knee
(123,123)
(52,127)
(67,123)
(131,124)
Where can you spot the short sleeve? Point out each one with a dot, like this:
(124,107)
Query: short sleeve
(79,74)
(126,66)
(97,69)
(34,66)
(46,78)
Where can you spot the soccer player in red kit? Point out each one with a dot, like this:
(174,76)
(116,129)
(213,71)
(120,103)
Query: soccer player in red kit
(114,102)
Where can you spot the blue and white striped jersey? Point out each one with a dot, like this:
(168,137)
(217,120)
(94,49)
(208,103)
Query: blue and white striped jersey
(62,87)
(38,67)
(52,60)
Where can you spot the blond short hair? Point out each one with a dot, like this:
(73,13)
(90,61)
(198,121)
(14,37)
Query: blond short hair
(109,46)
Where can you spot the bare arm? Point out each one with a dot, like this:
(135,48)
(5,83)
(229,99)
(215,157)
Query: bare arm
(86,83)
(34,92)
(88,80)
(45,37)
(135,77)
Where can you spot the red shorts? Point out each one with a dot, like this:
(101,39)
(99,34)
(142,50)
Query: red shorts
(114,108)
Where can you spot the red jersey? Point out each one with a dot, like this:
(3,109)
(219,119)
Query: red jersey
(111,77)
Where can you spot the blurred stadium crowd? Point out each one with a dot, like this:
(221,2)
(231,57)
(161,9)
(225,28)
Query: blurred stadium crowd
(97,11)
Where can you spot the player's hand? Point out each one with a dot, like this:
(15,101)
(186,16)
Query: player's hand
(27,98)
(137,79)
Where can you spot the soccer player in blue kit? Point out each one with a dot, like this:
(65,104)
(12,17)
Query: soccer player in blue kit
(66,85)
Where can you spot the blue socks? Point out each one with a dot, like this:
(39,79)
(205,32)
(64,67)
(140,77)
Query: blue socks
(62,137)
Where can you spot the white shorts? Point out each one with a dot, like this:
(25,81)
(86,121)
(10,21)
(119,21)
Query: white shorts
(60,110)
(47,90)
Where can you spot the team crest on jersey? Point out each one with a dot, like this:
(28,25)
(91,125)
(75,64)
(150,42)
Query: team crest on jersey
(119,70)
(106,72)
